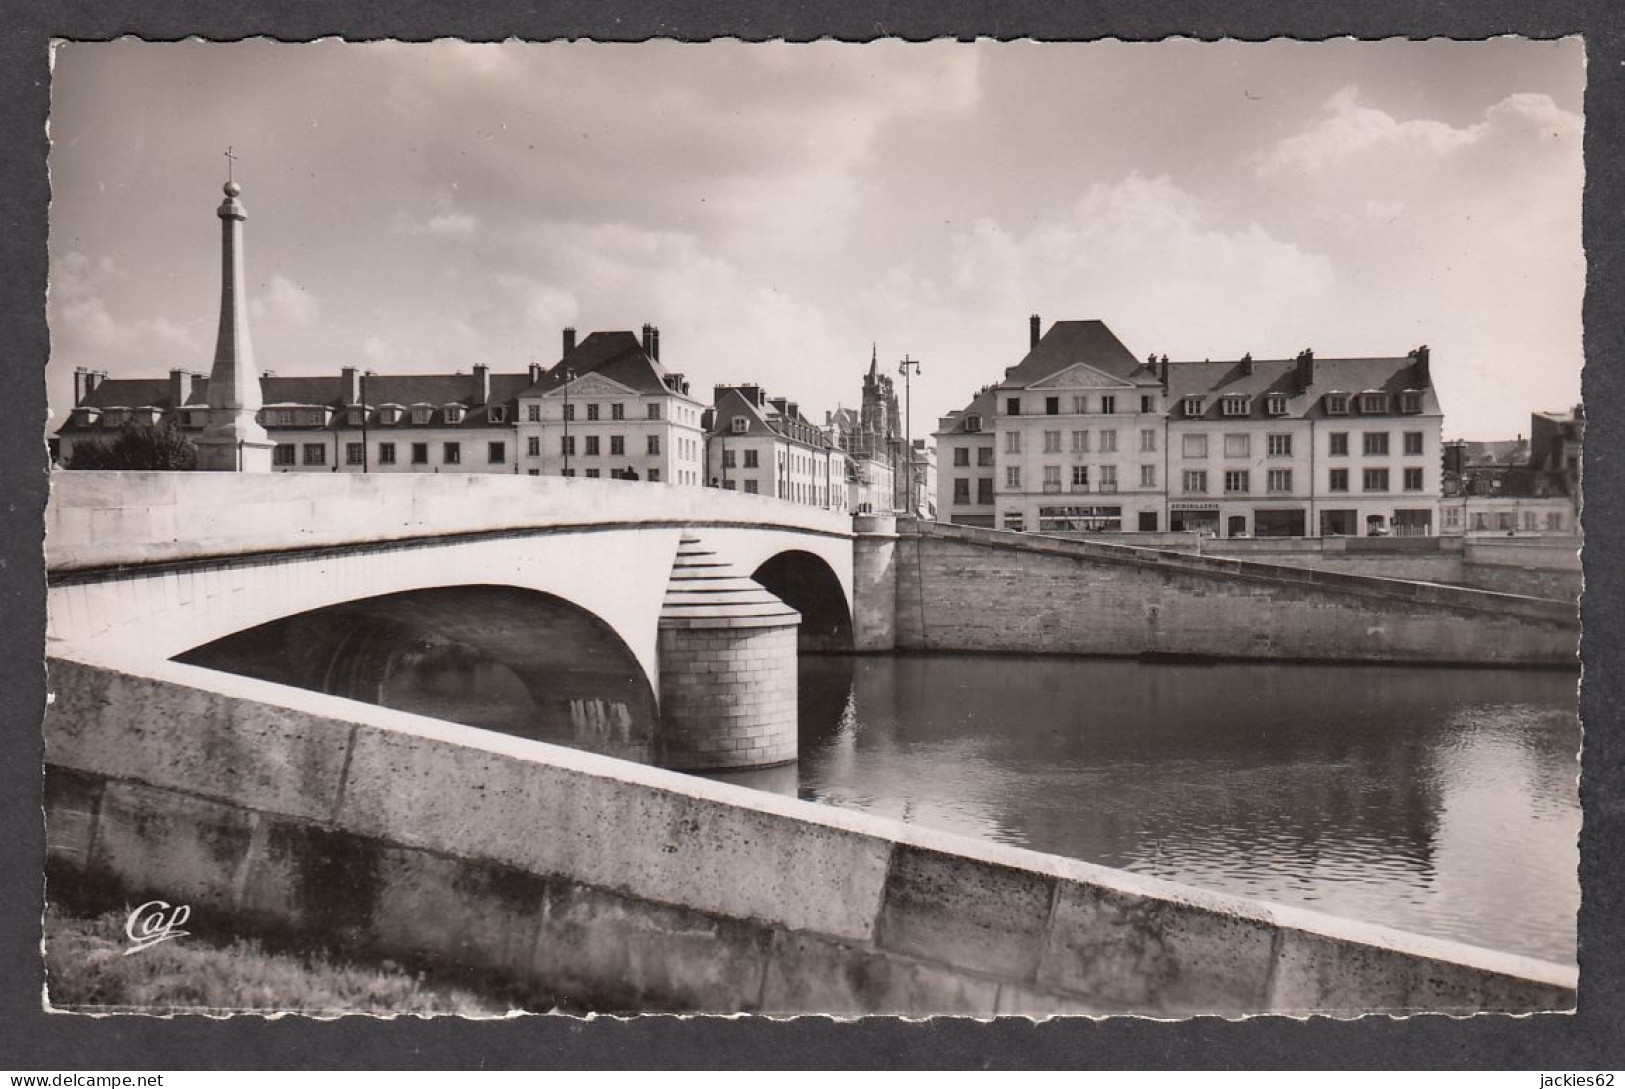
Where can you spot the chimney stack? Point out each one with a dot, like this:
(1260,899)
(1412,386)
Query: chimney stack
(1424,375)
(350,379)
(177,388)
(654,351)
(569,339)
(535,373)
(482,383)
(81,385)
(1247,363)
(1306,368)
(1032,331)
(648,338)
(199,384)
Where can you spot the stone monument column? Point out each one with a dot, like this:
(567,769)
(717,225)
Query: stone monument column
(233,440)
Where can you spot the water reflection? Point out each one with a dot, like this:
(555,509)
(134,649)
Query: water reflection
(1438,801)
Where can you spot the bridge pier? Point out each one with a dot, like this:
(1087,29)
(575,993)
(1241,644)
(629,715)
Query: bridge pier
(874,583)
(727,651)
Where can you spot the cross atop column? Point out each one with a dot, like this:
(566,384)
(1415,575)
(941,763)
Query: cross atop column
(230,159)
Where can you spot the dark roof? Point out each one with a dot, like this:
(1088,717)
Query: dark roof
(981,405)
(618,355)
(133,393)
(1214,380)
(1508,481)
(765,419)
(1071,342)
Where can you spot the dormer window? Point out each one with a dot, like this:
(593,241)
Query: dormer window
(1275,404)
(1372,403)
(116,417)
(454,414)
(355,416)
(1233,406)
(1410,401)
(499,414)
(279,417)
(197,417)
(973,422)
(390,415)
(1192,406)
(421,414)
(740,425)
(86,415)
(1337,404)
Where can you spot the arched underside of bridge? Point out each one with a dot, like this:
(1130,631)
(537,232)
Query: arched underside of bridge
(807,583)
(517,661)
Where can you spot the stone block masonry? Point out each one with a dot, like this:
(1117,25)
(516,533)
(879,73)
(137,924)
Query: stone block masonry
(978,590)
(607,885)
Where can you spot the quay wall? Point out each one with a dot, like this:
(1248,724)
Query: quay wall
(1546,567)
(980,590)
(607,885)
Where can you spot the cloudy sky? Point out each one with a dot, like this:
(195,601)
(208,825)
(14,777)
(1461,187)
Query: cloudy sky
(777,208)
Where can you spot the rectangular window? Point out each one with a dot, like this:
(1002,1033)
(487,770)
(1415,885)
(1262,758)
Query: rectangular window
(1279,446)
(1554,521)
(1014,521)
(617,446)
(1052,442)
(1012,406)
(1080,478)
(1193,446)
(453,453)
(1148,441)
(533,446)
(1108,405)
(654,476)
(654,412)
(1012,442)
(1452,517)
(1012,476)
(1052,406)
(1376,480)
(1233,406)
(1339,441)
(1080,404)
(1410,402)
(570,413)
(1080,442)
(961,456)
(533,413)
(354,453)
(1338,481)
(1238,446)
(750,459)
(1413,444)
(751,488)
(1373,402)
(315,453)
(1275,404)
(1052,478)
(653,444)
(592,474)
(617,411)
(1108,478)
(728,459)
(1148,403)
(1505,519)
(420,453)
(1376,443)
(984,457)
(1148,476)
(984,490)
(592,411)
(285,453)
(1108,442)
(1529,522)
(592,446)
(1279,480)
(740,425)
(1413,480)
(961,490)
(567,446)
(1195,482)
(1237,481)
(1337,404)
(1192,406)
(386,453)
(496,453)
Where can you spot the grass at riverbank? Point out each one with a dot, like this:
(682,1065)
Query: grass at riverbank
(88,972)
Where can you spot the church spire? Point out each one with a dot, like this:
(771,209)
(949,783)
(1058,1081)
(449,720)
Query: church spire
(233,439)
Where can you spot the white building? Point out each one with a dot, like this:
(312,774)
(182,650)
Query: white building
(764,446)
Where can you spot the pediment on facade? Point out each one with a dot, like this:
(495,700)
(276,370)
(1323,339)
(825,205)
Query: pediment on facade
(1081,376)
(593,385)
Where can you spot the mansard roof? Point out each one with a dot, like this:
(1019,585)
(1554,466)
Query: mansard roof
(1071,342)
(981,405)
(1214,381)
(617,355)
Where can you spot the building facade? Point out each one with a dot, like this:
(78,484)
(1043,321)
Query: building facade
(764,446)
(609,409)
(1082,438)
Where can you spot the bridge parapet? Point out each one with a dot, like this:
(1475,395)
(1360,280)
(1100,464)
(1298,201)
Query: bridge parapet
(106,519)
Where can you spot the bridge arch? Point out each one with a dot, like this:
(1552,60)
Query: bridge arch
(516,660)
(807,583)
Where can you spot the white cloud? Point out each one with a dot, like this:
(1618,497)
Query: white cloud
(287,301)
(453,225)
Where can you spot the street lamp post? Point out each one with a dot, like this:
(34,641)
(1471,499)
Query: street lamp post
(908,367)
(366,451)
(569,376)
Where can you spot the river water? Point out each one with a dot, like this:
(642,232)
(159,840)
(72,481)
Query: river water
(1439,801)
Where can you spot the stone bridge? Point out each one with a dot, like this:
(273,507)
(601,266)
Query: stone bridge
(615,606)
